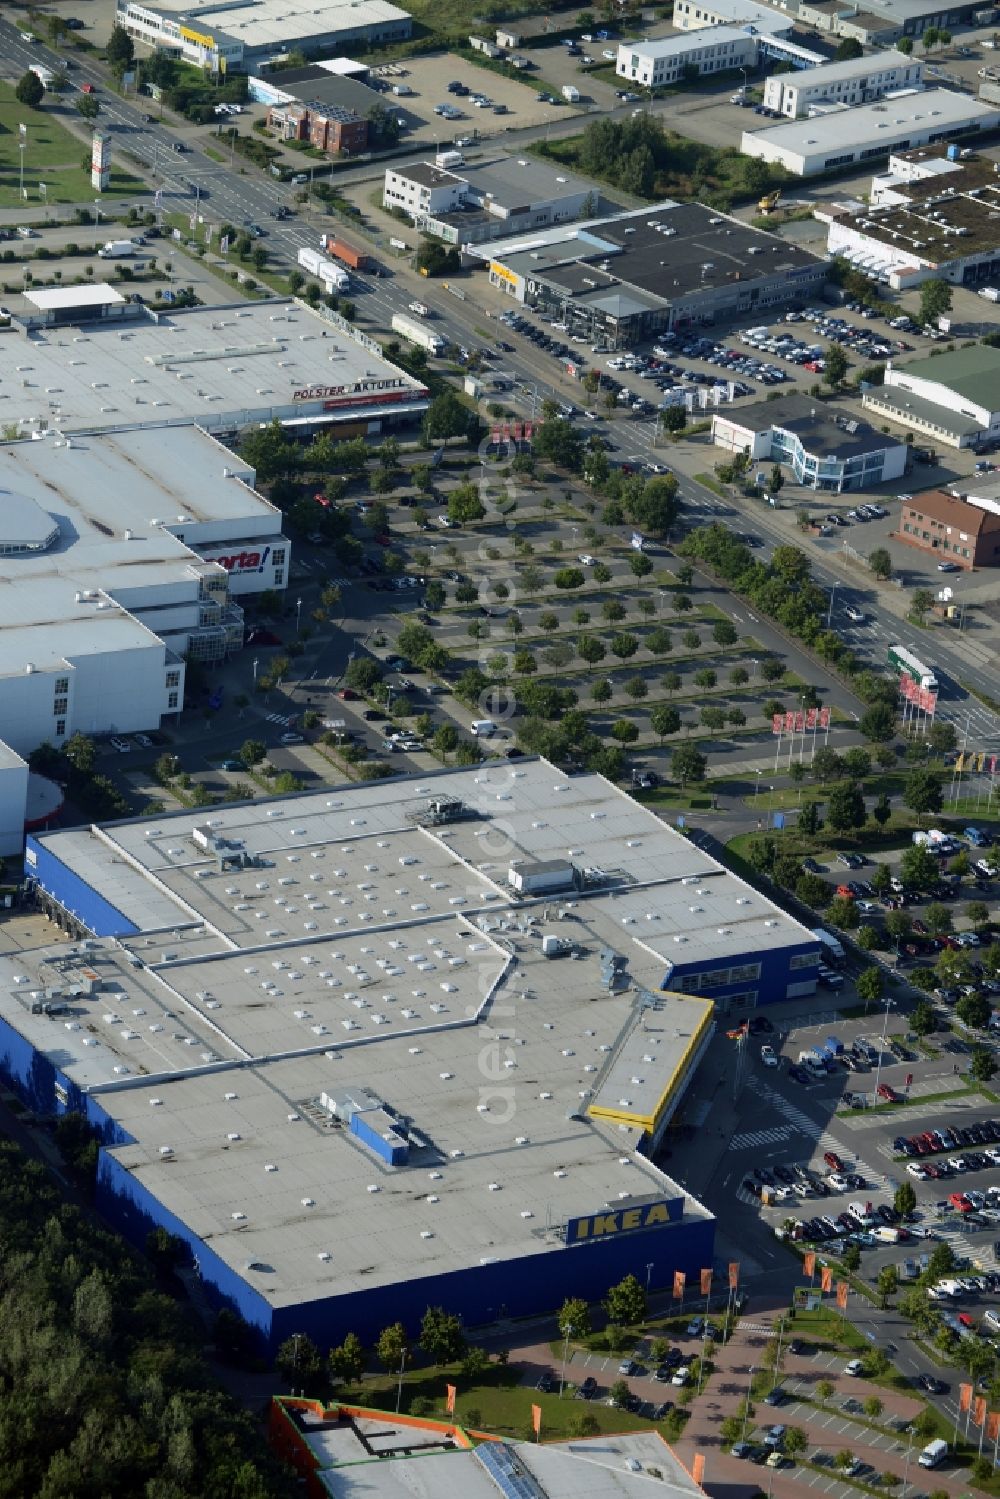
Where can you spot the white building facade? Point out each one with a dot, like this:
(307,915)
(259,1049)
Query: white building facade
(861,80)
(656,64)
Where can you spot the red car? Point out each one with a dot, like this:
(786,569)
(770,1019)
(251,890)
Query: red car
(87,88)
(348,694)
(845,892)
(889,1094)
(960,1201)
(965,1319)
(833,1160)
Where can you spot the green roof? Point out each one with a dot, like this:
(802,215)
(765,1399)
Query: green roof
(973,373)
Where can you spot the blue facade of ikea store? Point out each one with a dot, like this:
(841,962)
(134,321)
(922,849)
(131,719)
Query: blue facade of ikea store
(79,899)
(746,980)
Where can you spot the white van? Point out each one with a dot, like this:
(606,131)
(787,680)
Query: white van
(933,1454)
(482,728)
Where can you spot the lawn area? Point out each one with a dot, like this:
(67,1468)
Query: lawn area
(497,1402)
(52,156)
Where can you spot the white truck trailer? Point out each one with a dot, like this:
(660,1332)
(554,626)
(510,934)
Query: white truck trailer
(417,333)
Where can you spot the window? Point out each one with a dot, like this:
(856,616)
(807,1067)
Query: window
(173,679)
(172,700)
(60,705)
(745,974)
(62,685)
(279,577)
(803,960)
(60,728)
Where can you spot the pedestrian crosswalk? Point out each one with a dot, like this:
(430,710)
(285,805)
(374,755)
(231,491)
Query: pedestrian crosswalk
(283,718)
(752,1137)
(822,1138)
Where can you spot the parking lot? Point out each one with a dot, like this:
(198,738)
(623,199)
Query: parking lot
(428,77)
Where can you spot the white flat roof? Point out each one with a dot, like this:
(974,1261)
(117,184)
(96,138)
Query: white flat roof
(359,948)
(47,298)
(853,67)
(687,41)
(223,367)
(280,23)
(934,109)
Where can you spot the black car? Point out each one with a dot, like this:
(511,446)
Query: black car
(784,1175)
(588,1389)
(798,1074)
(929,1382)
(797,1346)
(544,1382)
(760,1025)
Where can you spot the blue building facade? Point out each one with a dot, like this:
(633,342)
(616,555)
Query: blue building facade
(78,899)
(748,980)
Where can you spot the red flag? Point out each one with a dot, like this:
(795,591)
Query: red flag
(826,1279)
(679,1279)
(905,683)
(516,431)
(993,1426)
(536,1419)
(993,765)
(842,1290)
(706,1282)
(789,723)
(811,718)
(450,1402)
(698,1468)
(824,718)
(734,1274)
(979,1410)
(809,1264)
(964,1397)
(777,723)
(496,437)
(800,722)
(528,430)
(505,430)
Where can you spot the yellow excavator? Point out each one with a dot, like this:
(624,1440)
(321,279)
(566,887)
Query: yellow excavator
(769,202)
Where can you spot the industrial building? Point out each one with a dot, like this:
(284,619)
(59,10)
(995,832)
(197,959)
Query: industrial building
(380,1046)
(326,1446)
(623,279)
(694,15)
(930,215)
(239,35)
(125,554)
(860,80)
(952,397)
(708,47)
(883,22)
(959,528)
(825,449)
(491,199)
(224,367)
(847,137)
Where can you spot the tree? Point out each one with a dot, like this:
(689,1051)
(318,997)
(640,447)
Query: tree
(363,673)
(639,564)
(674,419)
(922,791)
(843,913)
(626,1302)
(904,45)
(846,808)
(881,880)
(795,1440)
(882,811)
(620,1394)
(120,50)
(30,90)
(836,366)
(655,508)
(869,985)
(625,731)
(447,416)
(252,752)
(298,1361)
(465,505)
(935,301)
(929,38)
(664,721)
(623,645)
(982,1064)
(978,913)
(393,1346)
(923,1021)
(724,632)
(810,822)
(446,739)
(441,1335)
(918,869)
(880,563)
(688,764)
(849,49)
(887,1285)
(851,1258)
(574,1315)
(568,577)
(941,1262)
(88,106)
(941,736)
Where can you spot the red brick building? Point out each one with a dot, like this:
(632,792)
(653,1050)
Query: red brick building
(965,531)
(331,128)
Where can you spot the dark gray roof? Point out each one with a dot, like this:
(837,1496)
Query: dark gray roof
(820,428)
(318,89)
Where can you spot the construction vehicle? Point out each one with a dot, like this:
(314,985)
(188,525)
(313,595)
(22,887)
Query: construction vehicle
(769,202)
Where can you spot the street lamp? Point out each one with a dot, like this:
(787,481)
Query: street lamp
(829,612)
(298,616)
(97,210)
(399,1386)
(649,1271)
(746,1410)
(21,146)
(562,1376)
(256,663)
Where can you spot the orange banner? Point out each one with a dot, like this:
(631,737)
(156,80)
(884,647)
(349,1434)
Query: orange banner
(842,1290)
(964,1397)
(679,1280)
(450,1402)
(706,1282)
(536,1419)
(826,1279)
(809,1264)
(993,1426)
(979,1410)
(698,1468)
(734,1274)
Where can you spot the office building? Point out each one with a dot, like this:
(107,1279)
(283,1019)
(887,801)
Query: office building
(861,80)
(620,280)
(825,449)
(238,36)
(953,397)
(960,528)
(379,1064)
(848,137)
(489,200)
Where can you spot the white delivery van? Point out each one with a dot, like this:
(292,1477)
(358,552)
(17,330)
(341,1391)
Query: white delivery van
(933,1454)
(482,728)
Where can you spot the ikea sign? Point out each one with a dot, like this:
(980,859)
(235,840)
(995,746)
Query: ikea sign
(624,1220)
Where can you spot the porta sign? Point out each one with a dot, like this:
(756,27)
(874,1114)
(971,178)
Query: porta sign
(243,562)
(625,1220)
